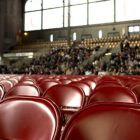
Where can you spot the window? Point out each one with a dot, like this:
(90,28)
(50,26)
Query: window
(133,29)
(78,15)
(78,1)
(127,10)
(33,5)
(65,16)
(33,21)
(52,3)
(74,36)
(136,28)
(74,2)
(51,38)
(100,34)
(54,13)
(53,18)
(95,0)
(101,12)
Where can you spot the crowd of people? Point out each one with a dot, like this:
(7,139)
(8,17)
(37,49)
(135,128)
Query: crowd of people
(75,60)
(61,61)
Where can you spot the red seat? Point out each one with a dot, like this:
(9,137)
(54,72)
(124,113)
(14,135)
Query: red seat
(7,84)
(13,80)
(108,121)
(45,85)
(31,82)
(112,94)
(65,81)
(69,98)
(92,84)
(47,79)
(24,89)
(106,83)
(86,88)
(29,118)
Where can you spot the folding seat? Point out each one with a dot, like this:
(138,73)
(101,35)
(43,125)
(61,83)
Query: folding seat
(69,98)
(24,89)
(29,118)
(104,121)
(37,77)
(112,94)
(108,83)
(27,81)
(14,81)
(47,80)
(91,83)
(7,84)
(45,85)
(108,80)
(65,81)
(84,86)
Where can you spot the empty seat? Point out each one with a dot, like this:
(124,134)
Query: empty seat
(86,88)
(91,83)
(32,82)
(13,80)
(45,85)
(65,81)
(108,121)
(109,83)
(24,89)
(7,84)
(112,94)
(69,98)
(29,118)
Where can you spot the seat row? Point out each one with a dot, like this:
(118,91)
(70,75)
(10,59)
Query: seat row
(32,118)
(70,95)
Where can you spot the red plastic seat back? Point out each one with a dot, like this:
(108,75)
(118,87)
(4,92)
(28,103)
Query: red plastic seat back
(45,85)
(91,83)
(7,84)
(66,96)
(86,88)
(104,122)
(26,90)
(65,81)
(112,94)
(29,119)
(28,81)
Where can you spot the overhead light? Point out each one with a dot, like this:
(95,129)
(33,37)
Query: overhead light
(25,34)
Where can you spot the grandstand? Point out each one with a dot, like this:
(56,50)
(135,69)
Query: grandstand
(69,69)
